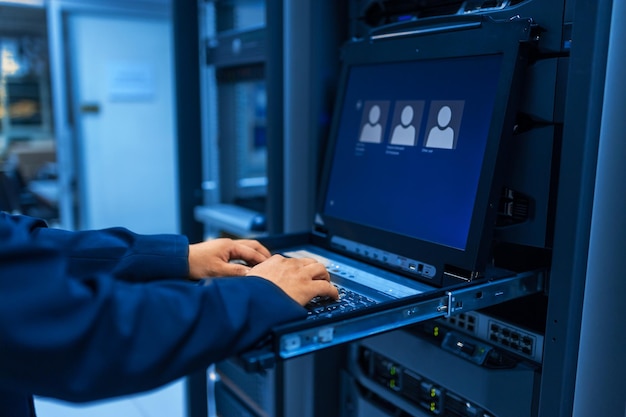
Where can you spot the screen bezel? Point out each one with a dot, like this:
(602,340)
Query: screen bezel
(414,42)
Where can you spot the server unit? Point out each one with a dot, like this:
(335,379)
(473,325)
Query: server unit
(429,371)
(307,386)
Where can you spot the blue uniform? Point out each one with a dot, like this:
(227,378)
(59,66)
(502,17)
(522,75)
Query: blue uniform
(98,314)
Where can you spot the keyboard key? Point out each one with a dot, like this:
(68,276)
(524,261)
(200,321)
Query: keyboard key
(326,306)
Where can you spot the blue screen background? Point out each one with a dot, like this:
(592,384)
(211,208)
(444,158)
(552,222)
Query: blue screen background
(424,193)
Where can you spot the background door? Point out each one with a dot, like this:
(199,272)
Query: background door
(121,74)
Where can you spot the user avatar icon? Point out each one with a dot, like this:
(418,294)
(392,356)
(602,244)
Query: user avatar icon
(404,132)
(442,135)
(445,124)
(372,130)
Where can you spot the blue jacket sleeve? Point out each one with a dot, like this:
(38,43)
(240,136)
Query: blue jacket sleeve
(125,254)
(87,337)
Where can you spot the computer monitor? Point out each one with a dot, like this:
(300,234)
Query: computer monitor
(420,127)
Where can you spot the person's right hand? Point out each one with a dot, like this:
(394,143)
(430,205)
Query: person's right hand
(301,278)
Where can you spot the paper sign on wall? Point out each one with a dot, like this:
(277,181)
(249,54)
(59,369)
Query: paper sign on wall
(128,81)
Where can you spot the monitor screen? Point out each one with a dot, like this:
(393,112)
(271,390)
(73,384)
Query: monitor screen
(410,146)
(424,113)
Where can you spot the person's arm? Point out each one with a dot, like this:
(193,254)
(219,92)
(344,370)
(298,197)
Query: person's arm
(136,257)
(86,338)
(117,251)
(120,252)
(92,336)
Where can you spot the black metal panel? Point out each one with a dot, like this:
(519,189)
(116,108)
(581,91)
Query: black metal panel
(582,123)
(275,106)
(188,122)
(188,118)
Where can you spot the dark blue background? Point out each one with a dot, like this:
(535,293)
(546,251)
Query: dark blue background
(426,195)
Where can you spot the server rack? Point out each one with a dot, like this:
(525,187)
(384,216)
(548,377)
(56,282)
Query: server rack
(579,44)
(260,165)
(512,333)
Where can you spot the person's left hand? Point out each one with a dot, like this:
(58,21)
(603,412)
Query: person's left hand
(212,258)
